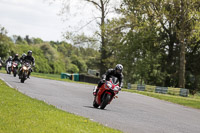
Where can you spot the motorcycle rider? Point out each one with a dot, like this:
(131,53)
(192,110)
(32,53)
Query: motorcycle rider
(22,57)
(1,62)
(29,58)
(16,58)
(8,60)
(117,72)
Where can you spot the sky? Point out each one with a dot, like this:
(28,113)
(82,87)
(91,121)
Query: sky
(40,18)
(43,19)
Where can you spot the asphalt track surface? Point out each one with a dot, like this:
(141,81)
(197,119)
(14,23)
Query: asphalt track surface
(130,113)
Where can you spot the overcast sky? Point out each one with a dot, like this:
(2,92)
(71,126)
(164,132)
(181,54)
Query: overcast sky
(37,18)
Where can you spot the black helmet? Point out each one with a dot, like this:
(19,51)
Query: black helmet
(29,53)
(119,68)
(16,55)
(23,55)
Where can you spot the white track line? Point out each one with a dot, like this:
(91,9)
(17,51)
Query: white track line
(6,82)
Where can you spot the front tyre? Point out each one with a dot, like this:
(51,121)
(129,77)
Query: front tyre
(9,70)
(22,80)
(14,72)
(105,101)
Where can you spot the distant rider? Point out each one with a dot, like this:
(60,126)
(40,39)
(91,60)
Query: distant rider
(22,57)
(117,72)
(9,59)
(16,58)
(29,58)
(7,64)
(1,63)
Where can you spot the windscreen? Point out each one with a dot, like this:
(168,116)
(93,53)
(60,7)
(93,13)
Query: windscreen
(114,80)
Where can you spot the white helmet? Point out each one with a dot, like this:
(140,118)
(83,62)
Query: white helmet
(119,68)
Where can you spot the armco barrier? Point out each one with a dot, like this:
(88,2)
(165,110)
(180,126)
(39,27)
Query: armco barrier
(173,91)
(184,92)
(150,88)
(162,90)
(129,86)
(141,87)
(88,79)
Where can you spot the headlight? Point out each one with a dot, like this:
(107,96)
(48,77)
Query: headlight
(109,85)
(25,68)
(116,88)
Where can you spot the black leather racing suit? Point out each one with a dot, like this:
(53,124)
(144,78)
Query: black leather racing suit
(108,74)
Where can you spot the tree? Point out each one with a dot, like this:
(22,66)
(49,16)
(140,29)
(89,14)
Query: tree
(174,21)
(37,40)
(28,40)
(6,45)
(103,6)
(20,40)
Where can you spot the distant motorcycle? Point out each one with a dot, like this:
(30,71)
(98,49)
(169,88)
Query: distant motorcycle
(0,65)
(15,68)
(9,67)
(106,93)
(24,70)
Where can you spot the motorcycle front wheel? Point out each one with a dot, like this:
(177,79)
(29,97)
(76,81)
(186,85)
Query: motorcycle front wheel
(105,101)
(14,72)
(22,80)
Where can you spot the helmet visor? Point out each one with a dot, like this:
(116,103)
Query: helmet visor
(118,71)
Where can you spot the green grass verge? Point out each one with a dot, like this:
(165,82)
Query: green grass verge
(191,101)
(22,114)
(2,70)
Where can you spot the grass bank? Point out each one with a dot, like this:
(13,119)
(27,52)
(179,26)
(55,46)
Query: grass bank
(191,101)
(22,114)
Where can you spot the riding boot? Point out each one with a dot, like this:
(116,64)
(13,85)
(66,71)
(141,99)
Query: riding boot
(95,91)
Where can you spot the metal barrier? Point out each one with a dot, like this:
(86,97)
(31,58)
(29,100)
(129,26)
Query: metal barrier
(162,90)
(157,89)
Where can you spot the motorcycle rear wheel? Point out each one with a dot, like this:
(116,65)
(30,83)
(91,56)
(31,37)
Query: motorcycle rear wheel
(105,101)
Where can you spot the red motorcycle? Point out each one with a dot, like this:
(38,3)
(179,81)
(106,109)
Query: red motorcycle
(15,68)
(106,93)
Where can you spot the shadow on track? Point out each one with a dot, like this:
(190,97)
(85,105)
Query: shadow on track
(95,108)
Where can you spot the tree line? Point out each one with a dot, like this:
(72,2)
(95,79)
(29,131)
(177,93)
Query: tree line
(50,57)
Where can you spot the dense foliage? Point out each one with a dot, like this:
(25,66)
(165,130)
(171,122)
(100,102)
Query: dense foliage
(50,57)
